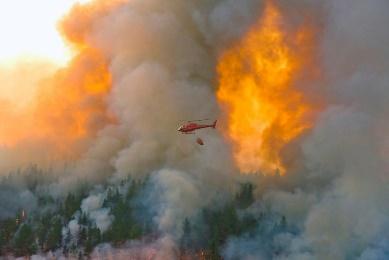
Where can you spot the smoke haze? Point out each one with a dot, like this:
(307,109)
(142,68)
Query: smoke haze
(143,66)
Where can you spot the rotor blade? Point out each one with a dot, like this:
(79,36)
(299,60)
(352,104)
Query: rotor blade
(199,120)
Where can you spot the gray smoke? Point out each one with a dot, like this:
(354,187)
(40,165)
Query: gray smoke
(162,56)
(345,153)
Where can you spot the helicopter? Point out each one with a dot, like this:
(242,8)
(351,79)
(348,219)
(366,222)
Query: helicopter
(191,126)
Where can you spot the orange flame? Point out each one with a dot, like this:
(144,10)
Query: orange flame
(264,110)
(69,105)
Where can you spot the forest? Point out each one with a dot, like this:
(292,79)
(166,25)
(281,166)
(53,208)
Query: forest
(45,228)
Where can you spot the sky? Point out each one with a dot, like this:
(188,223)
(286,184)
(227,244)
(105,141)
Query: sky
(33,33)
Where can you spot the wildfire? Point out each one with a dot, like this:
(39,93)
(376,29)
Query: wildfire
(264,110)
(72,104)
(68,104)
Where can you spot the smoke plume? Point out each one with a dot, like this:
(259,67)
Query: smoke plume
(144,66)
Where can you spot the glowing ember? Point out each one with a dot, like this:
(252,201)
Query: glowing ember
(264,111)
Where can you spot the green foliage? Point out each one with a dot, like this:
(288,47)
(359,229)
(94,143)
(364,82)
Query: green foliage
(219,224)
(8,227)
(245,197)
(123,226)
(3,243)
(45,200)
(42,228)
(53,240)
(133,189)
(71,204)
(82,236)
(113,196)
(23,241)
(93,238)
(83,220)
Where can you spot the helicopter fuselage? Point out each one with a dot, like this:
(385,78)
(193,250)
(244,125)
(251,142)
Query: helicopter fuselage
(191,127)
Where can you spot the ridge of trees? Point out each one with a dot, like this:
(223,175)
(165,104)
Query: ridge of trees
(203,236)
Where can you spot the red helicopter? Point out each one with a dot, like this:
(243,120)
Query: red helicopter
(191,126)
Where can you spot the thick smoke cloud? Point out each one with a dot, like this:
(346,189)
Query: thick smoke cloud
(154,88)
(345,151)
(162,58)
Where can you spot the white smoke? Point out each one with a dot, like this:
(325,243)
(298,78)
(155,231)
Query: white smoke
(74,228)
(161,249)
(342,205)
(162,59)
(92,207)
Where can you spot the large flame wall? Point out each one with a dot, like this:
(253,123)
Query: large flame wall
(264,111)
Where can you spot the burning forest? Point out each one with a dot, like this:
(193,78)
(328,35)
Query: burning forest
(283,156)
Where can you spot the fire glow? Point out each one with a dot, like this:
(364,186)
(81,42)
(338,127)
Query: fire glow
(68,104)
(264,110)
